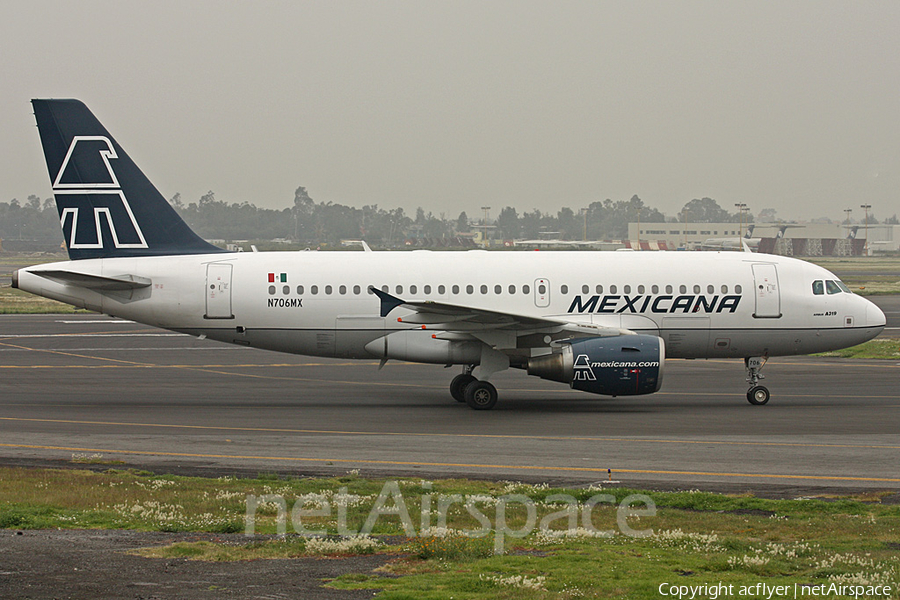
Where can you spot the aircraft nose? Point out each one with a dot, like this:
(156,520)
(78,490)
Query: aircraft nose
(874,315)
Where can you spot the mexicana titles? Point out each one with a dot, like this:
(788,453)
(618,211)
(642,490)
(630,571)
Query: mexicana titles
(655,304)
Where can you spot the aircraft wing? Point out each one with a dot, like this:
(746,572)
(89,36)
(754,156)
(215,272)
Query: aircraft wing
(455,318)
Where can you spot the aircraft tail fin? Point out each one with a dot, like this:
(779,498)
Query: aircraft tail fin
(107,206)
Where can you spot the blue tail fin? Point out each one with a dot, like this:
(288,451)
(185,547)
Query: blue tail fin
(107,206)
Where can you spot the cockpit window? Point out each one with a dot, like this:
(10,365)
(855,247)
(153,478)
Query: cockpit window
(818,288)
(832,287)
(843,287)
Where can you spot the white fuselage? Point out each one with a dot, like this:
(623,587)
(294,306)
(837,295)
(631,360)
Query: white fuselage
(703,305)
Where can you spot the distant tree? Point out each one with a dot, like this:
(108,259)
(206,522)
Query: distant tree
(308,222)
(302,214)
(462,223)
(707,210)
(892,220)
(33,220)
(508,223)
(766,215)
(533,223)
(569,224)
(435,227)
(597,220)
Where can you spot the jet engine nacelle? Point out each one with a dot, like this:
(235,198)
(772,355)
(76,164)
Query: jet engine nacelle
(625,365)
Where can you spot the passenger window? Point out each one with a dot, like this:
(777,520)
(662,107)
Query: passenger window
(271,289)
(441,289)
(738,289)
(682,289)
(526,289)
(328,289)
(498,289)
(564,289)
(696,289)
(626,289)
(484,289)
(427,290)
(640,289)
(654,289)
(342,289)
(399,289)
(668,289)
(599,289)
(313,289)
(710,289)
(470,289)
(612,289)
(542,289)
(818,288)
(455,289)
(299,290)
(512,289)
(831,287)
(356,290)
(585,289)
(286,290)
(384,288)
(724,289)
(412,289)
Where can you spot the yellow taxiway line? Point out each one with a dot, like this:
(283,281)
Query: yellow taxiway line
(457,435)
(457,465)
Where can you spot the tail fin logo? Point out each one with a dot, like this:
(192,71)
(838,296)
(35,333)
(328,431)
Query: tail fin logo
(88,194)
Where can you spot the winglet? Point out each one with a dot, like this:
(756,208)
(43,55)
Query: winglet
(388,302)
(744,244)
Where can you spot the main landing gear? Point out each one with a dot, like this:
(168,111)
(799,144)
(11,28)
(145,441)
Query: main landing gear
(480,395)
(757,394)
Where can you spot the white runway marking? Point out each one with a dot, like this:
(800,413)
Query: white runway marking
(117,322)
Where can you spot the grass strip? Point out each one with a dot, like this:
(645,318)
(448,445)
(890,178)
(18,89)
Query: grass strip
(697,538)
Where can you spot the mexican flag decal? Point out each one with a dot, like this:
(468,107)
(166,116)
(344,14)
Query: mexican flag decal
(282,277)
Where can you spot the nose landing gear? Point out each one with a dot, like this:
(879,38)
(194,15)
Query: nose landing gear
(757,394)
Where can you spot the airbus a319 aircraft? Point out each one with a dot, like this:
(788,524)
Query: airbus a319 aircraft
(602,322)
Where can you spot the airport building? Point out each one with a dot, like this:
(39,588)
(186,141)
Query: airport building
(788,239)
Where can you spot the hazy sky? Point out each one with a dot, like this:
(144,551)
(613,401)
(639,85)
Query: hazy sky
(455,105)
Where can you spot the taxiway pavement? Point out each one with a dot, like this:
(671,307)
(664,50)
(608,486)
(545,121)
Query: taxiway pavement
(89,386)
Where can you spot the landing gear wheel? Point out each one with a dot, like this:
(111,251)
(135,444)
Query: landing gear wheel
(458,386)
(481,395)
(758,395)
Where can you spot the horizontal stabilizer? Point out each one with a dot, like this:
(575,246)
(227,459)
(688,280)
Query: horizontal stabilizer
(96,282)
